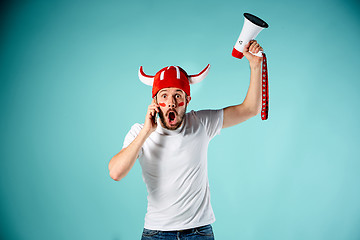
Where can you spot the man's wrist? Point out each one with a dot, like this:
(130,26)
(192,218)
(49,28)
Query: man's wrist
(255,66)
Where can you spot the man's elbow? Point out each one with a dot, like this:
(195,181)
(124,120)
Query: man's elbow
(115,176)
(257,112)
(253,112)
(250,111)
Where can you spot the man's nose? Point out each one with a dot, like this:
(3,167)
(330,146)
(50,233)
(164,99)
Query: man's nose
(172,103)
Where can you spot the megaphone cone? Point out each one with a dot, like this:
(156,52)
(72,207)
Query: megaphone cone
(251,28)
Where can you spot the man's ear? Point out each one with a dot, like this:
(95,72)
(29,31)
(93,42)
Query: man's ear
(188,99)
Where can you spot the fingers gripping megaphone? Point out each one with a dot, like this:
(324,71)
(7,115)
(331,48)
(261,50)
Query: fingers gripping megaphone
(251,28)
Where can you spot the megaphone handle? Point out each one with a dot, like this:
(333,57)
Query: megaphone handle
(264,90)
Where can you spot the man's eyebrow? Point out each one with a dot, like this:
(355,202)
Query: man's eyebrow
(162,91)
(178,90)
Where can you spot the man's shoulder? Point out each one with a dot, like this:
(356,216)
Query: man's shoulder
(197,112)
(136,128)
(204,113)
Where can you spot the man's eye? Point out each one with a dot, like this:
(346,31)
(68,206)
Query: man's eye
(163,96)
(177,96)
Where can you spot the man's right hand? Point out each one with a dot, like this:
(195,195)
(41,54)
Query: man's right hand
(150,124)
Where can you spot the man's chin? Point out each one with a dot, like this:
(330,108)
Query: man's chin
(172,126)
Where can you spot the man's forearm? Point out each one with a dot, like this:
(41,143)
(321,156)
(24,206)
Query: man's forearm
(253,97)
(121,163)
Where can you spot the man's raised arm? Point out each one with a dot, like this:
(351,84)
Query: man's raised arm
(251,106)
(121,163)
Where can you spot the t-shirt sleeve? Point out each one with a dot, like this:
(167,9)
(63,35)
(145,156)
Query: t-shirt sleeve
(132,134)
(212,120)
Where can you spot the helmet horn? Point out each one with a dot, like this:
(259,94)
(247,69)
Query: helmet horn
(147,79)
(199,77)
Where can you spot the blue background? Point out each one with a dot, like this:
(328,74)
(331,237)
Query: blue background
(70,93)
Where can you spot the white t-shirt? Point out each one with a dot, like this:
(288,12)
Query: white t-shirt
(174,169)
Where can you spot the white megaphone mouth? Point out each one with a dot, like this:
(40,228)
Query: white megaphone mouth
(255,20)
(251,28)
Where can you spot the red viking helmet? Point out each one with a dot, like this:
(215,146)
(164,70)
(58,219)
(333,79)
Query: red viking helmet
(172,76)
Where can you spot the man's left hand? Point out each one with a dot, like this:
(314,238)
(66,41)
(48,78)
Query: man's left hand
(253,47)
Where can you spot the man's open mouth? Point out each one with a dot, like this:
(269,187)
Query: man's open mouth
(172,117)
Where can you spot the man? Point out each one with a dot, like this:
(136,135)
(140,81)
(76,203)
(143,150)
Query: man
(172,151)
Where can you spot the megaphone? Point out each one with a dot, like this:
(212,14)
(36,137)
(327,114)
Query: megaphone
(251,28)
